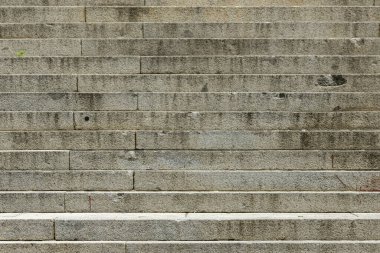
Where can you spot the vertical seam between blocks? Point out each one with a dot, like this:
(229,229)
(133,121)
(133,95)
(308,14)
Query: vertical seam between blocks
(81,47)
(54,231)
(69,159)
(143,30)
(133,180)
(64,202)
(85,14)
(78,82)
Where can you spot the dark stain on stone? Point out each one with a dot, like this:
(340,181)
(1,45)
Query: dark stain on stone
(86,118)
(338,108)
(205,88)
(331,80)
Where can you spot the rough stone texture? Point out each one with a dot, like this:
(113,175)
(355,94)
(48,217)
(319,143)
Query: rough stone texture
(259,2)
(209,202)
(209,227)
(34,160)
(62,247)
(66,180)
(298,102)
(71,30)
(228,83)
(254,246)
(42,140)
(67,101)
(37,47)
(70,65)
(224,160)
(231,14)
(38,83)
(13,202)
(168,47)
(256,181)
(226,120)
(260,65)
(72,2)
(12,229)
(260,30)
(41,14)
(36,121)
(255,140)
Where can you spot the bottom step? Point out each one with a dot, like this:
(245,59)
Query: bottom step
(192,247)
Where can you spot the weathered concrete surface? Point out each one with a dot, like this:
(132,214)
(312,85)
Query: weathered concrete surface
(67,101)
(62,247)
(30,202)
(298,102)
(70,65)
(71,30)
(190,227)
(66,180)
(34,160)
(231,14)
(224,120)
(38,47)
(256,181)
(241,202)
(255,140)
(229,83)
(260,64)
(259,3)
(260,30)
(36,121)
(38,83)
(173,47)
(225,160)
(60,140)
(41,14)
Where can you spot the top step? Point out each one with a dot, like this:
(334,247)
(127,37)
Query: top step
(189,3)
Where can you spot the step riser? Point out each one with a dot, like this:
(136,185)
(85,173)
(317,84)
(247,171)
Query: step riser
(188,30)
(229,47)
(224,83)
(192,65)
(190,160)
(199,202)
(215,14)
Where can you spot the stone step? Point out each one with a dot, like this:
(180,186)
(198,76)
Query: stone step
(190,227)
(38,83)
(192,65)
(189,160)
(70,65)
(230,14)
(42,14)
(210,160)
(195,102)
(193,121)
(176,47)
(114,120)
(259,65)
(173,47)
(187,3)
(253,140)
(195,247)
(40,47)
(190,30)
(99,2)
(67,101)
(305,102)
(60,140)
(204,83)
(66,180)
(189,83)
(190,202)
(256,181)
(34,160)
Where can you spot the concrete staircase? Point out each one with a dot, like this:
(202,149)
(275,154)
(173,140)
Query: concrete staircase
(170,126)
